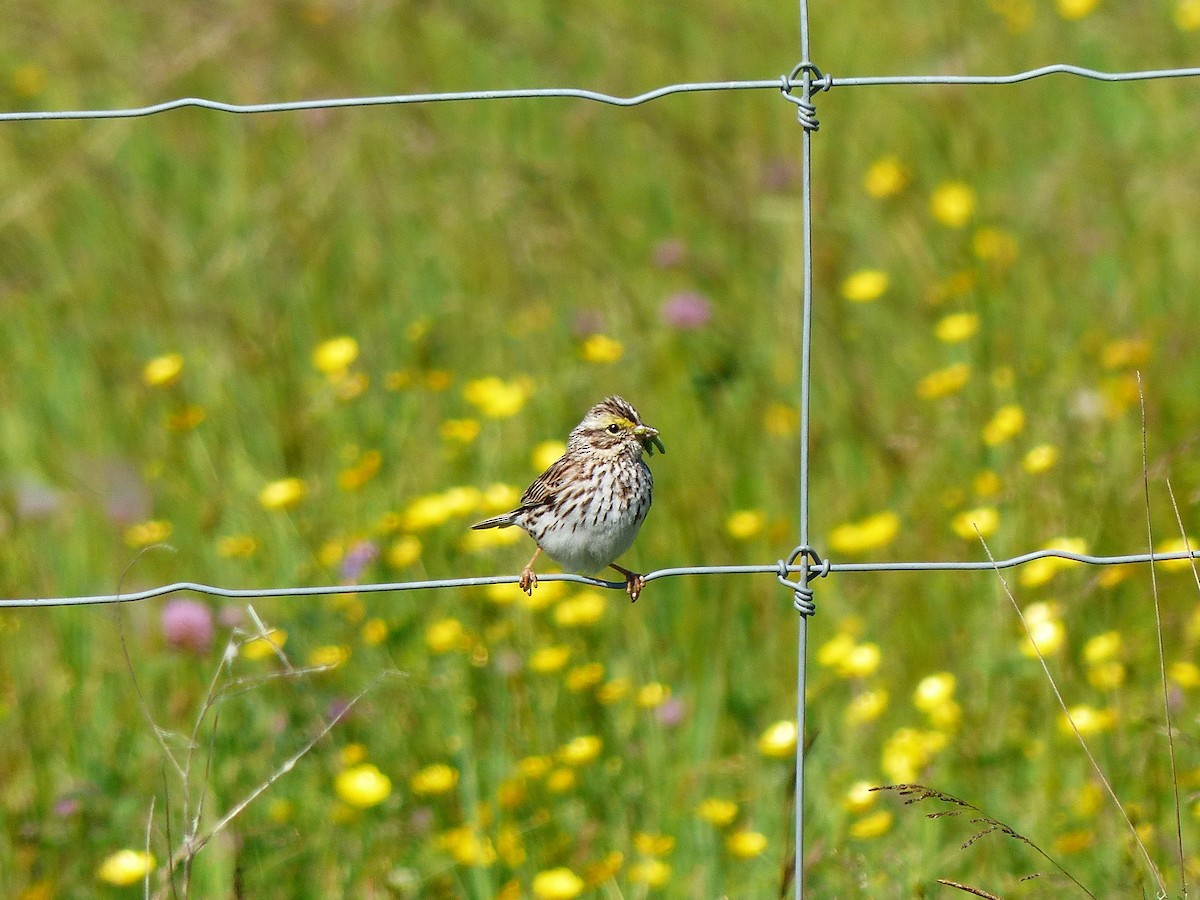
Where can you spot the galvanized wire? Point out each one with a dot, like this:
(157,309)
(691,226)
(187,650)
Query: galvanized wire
(823,83)
(803,562)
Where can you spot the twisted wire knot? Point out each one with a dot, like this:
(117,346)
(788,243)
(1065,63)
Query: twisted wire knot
(811,566)
(810,75)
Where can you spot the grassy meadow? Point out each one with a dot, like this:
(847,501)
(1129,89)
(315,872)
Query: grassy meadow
(312,348)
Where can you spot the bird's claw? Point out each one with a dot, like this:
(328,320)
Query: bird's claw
(633,585)
(528,581)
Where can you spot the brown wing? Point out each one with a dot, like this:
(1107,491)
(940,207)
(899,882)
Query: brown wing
(547,485)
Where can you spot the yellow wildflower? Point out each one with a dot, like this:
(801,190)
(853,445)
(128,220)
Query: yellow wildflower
(1040,458)
(496,398)
(367,466)
(404,551)
(482,541)
(534,767)
(545,455)
(860,797)
(944,382)
(585,677)
(1102,647)
(834,651)
(986,483)
(653,844)
(652,695)
(871,533)
(163,370)
(605,868)
(499,498)
(580,751)
(995,246)
(956,327)
(872,826)
(1107,676)
(908,751)
(438,778)
(1186,674)
(1125,353)
(445,635)
(283,493)
(28,80)
(263,647)
(934,690)
(334,356)
(125,867)
(745,524)
(746,844)
(329,655)
(547,660)
(984,518)
(1046,636)
(362,786)
(561,780)
(716,811)
(861,661)
(1177,545)
(585,608)
(953,204)
(1073,842)
(781,420)
(374,632)
(236,546)
(1075,9)
(1088,720)
(612,691)
(143,534)
(652,873)
(600,348)
(1007,422)
(885,177)
(557,884)
(1187,15)
(779,740)
(467,847)
(865,285)
(187,418)
(866,707)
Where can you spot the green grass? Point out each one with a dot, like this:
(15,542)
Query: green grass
(461,241)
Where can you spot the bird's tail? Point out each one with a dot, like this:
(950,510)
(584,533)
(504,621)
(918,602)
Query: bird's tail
(495,522)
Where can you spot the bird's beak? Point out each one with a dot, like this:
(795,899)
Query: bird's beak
(649,438)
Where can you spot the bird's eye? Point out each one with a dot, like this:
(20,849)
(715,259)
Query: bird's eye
(614,428)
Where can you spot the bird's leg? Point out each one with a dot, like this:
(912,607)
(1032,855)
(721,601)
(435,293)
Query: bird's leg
(633,582)
(528,580)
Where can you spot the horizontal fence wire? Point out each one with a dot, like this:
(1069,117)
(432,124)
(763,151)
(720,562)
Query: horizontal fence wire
(787,83)
(780,570)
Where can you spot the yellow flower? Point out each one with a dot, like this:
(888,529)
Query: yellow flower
(652,695)
(547,660)
(438,778)
(834,651)
(1039,571)
(374,632)
(557,884)
(1048,636)
(582,678)
(585,608)
(612,691)
(649,844)
(481,541)
(334,356)
(865,285)
(361,472)
(860,797)
(283,493)
(861,661)
(866,707)
(746,844)
(872,826)
(1073,842)
(236,546)
(125,867)
(956,327)
(1102,648)
(885,177)
(1107,676)
(605,868)
(545,455)
(362,786)
(1187,15)
(330,655)
(500,497)
(459,431)
(1185,674)
(781,420)
(745,524)
(944,382)
(445,635)
(908,751)
(1125,353)
(163,370)
(1177,545)
(534,767)
(28,80)
(600,348)
(953,203)
(143,534)
(995,246)
(1040,458)
(498,399)
(264,647)
(716,811)
(404,551)
(1088,720)
(934,690)
(561,780)
(1007,422)
(984,518)
(187,418)
(1075,9)
(467,847)
(580,751)
(779,740)
(870,533)
(652,873)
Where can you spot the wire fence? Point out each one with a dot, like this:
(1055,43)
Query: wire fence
(804,563)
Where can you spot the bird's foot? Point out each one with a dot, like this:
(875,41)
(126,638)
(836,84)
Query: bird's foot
(633,583)
(528,581)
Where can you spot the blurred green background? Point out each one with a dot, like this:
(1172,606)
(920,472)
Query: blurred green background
(312,348)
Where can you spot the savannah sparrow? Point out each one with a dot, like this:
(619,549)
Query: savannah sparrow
(585,510)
